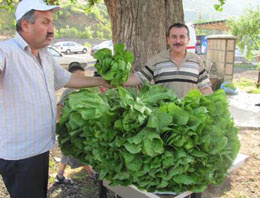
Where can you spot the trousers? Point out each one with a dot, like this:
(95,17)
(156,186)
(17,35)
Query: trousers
(26,178)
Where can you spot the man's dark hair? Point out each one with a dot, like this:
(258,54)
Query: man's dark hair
(96,74)
(29,16)
(178,25)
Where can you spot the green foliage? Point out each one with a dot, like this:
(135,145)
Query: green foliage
(247,85)
(11,4)
(67,32)
(219,7)
(99,35)
(88,32)
(94,21)
(72,32)
(254,91)
(7,22)
(114,68)
(88,45)
(150,138)
(247,30)
(230,85)
(247,65)
(8,5)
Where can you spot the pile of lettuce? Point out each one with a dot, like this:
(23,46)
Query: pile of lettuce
(150,138)
(114,68)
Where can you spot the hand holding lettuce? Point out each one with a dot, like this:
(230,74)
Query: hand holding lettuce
(114,68)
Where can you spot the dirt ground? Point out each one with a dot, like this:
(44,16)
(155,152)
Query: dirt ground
(242,183)
(245,181)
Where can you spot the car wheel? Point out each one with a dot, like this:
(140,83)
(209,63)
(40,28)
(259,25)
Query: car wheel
(68,51)
(74,64)
(84,51)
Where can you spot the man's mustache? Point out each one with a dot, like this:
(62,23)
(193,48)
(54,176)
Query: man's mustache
(177,44)
(49,34)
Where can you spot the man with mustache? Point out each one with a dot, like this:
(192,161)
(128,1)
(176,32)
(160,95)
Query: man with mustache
(29,77)
(175,68)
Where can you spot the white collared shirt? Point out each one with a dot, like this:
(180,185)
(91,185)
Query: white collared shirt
(27,99)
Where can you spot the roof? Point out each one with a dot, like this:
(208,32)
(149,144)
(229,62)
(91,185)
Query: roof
(212,25)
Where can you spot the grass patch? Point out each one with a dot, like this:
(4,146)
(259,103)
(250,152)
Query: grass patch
(51,180)
(51,164)
(246,85)
(77,174)
(245,65)
(254,91)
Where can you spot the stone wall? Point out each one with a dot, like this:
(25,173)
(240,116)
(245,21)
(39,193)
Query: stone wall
(220,56)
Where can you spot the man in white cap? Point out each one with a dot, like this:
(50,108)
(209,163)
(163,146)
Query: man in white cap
(29,77)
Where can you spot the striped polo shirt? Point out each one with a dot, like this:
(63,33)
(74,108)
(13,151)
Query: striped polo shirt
(191,74)
(27,99)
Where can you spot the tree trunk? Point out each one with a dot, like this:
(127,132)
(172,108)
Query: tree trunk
(142,25)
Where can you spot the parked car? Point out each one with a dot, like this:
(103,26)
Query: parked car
(104,44)
(69,47)
(66,60)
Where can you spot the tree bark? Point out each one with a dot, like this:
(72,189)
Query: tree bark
(142,25)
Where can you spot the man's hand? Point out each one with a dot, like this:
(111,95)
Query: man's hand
(78,81)
(206,91)
(105,83)
(132,81)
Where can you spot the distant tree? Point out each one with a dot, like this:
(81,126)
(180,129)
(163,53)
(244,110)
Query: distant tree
(247,30)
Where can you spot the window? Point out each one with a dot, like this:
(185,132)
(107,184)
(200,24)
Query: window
(53,52)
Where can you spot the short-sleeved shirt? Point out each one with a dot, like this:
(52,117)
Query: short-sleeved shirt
(27,99)
(191,74)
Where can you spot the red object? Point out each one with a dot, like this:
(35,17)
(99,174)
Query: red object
(102,90)
(190,47)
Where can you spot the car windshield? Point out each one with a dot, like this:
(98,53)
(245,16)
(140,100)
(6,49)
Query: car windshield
(53,52)
(107,43)
(104,44)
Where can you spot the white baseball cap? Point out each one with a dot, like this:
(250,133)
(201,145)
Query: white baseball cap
(25,6)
